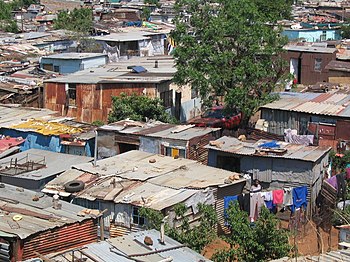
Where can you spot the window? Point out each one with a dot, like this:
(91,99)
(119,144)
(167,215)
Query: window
(136,218)
(323,36)
(48,67)
(72,94)
(167,98)
(175,152)
(318,64)
(56,69)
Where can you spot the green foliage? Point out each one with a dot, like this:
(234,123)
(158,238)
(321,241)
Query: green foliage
(98,123)
(341,217)
(152,2)
(230,48)
(251,243)
(196,238)
(78,20)
(6,17)
(139,108)
(154,217)
(339,163)
(146,13)
(345,31)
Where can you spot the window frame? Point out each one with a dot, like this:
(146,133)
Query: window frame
(72,99)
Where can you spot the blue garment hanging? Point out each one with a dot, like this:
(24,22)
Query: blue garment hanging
(299,197)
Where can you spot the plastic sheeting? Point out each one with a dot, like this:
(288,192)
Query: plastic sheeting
(47,128)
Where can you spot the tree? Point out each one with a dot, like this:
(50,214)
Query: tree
(252,243)
(196,238)
(77,20)
(230,48)
(139,108)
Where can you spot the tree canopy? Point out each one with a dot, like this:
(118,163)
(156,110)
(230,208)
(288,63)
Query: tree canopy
(262,241)
(77,20)
(139,108)
(7,23)
(230,48)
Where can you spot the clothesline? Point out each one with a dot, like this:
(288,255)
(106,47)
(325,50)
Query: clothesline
(289,197)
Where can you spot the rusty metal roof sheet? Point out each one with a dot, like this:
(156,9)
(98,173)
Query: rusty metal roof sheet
(298,152)
(11,197)
(331,104)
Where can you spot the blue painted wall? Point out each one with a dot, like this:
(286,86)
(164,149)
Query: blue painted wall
(68,66)
(312,35)
(49,143)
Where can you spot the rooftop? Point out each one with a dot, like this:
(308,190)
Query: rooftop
(45,164)
(141,178)
(119,73)
(310,49)
(12,115)
(292,151)
(36,216)
(74,56)
(158,129)
(328,104)
(127,36)
(125,249)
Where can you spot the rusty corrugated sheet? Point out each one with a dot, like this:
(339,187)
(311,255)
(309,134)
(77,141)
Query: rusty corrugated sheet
(321,97)
(342,130)
(65,237)
(328,143)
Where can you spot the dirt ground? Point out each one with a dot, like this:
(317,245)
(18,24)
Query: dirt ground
(306,241)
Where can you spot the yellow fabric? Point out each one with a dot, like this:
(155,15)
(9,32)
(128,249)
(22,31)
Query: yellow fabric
(47,128)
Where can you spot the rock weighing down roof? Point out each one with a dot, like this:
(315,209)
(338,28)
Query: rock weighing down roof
(130,247)
(142,178)
(35,215)
(291,151)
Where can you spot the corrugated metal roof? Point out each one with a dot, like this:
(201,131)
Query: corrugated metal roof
(11,115)
(136,165)
(11,197)
(331,104)
(299,152)
(310,49)
(181,132)
(56,163)
(333,256)
(131,178)
(130,244)
(70,56)
(120,248)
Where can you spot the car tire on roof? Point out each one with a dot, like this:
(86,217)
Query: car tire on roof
(74,186)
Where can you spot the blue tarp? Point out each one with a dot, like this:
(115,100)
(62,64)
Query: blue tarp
(272,144)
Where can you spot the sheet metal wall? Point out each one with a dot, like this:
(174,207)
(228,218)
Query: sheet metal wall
(279,120)
(65,237)
(308,75)
(196,150)
(229,190)
(93,101)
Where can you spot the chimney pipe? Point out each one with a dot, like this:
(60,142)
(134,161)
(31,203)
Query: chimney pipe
(156,64)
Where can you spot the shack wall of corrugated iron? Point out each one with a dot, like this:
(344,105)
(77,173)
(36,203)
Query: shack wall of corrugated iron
(229,190)
(196,150)
(93,101)
(342,130)
(308,74)
(54,96)
(65,237)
